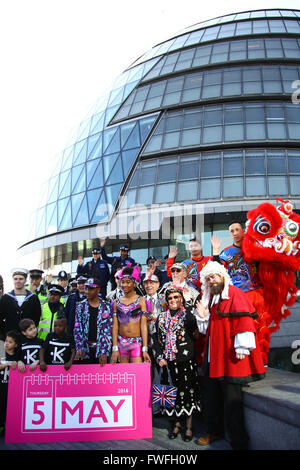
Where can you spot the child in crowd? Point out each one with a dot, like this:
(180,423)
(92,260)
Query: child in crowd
(30,345)
(11,356)
(59,346)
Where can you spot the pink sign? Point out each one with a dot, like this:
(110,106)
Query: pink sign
(87,403)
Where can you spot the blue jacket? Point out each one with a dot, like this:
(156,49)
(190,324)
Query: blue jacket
(98,269)
(70,309)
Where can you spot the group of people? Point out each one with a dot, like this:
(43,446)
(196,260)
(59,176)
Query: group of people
(194,324)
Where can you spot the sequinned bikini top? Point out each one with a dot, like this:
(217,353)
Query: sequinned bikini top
(127,313)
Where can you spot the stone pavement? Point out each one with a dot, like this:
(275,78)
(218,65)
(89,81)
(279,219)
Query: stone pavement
(159,441)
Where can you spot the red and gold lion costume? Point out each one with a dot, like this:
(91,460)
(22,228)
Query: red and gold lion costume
(272,240)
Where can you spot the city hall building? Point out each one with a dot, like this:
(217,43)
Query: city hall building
(199,130)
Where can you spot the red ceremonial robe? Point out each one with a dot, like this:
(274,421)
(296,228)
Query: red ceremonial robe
(227,318)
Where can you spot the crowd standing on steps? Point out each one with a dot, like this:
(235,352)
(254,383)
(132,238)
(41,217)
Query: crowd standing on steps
(112,312)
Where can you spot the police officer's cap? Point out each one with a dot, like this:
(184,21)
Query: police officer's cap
(81,278)
(56,289)
(73,281)
(96,251)
(124,248)
(36,273)
(62,275)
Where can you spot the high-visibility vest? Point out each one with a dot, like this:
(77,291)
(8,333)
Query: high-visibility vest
(43,296)
(47,321)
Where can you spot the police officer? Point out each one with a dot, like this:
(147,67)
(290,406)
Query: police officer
(51,309)
(116,261)
(96,268)
(73,298)
(36,286)
(62,280)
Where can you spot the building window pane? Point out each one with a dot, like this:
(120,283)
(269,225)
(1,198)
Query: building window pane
(294,164)
(295,185)
(166,173)
(276,131)
(233,166)
(255,132)
(145,195)
(147,175)
(210,167)
(234,132)
(165,193)
(255,166)
(233,187)
(212,134)
(190,137)
(187,190)
(277,185)
(276,165)
(210,189)
(255,186)
(188,169)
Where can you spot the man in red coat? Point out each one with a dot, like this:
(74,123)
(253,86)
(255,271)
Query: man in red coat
(232,354)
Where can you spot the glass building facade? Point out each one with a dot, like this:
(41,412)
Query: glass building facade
(206,122)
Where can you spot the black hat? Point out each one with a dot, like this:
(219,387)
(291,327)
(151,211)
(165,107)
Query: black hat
(62,275)
(36,273)
(96,251)
(151,258)
(93,282)
(56,289)
(73,281)
(124,248)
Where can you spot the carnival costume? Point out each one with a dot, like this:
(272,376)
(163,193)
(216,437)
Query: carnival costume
(173,341)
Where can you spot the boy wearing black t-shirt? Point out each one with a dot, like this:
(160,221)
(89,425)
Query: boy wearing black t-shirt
(59,347)
(11,356)
(30,345)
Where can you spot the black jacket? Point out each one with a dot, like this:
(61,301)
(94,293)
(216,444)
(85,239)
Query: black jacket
(11,313)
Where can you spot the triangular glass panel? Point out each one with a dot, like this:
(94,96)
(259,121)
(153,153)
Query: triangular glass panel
(84,129)
(116,97)
(62,179)
(61,208)
(66,221)
(100,212)
(110,112)
(94,146)
(133,140)
(66,190)
(81,183)
(114,145)
(53,190)
(112,193)
(76,171)
(40,222)
(116,175)
(90,170)
(97,122)
(67,158)
(97,179)
(146,126)
(80,152)
(49,212)
(52,224)
(128,157)
(128,89)
(76,203)
(126,130)
(93,197)
(108,164)
(83,215)
(108,136)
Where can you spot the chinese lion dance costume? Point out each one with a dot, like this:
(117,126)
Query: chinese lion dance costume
(272,242)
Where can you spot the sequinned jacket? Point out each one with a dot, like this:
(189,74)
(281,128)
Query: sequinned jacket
(104,328)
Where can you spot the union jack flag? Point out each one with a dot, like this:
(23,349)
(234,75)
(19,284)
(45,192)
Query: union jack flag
(165,395)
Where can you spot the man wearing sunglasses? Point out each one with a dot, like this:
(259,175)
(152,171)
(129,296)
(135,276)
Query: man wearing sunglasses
(179,274)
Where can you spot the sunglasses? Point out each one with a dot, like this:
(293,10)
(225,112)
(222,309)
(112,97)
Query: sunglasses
(176,270)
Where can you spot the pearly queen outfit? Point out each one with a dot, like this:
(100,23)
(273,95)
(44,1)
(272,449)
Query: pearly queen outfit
(173,341)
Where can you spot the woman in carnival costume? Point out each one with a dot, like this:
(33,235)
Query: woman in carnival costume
(130,332)
(174,347)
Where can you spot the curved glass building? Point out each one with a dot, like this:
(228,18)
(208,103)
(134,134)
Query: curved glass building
(200,129)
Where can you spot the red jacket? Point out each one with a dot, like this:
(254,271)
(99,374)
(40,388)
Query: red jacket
(229,317)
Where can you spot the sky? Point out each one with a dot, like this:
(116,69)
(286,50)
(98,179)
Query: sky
(57,57)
